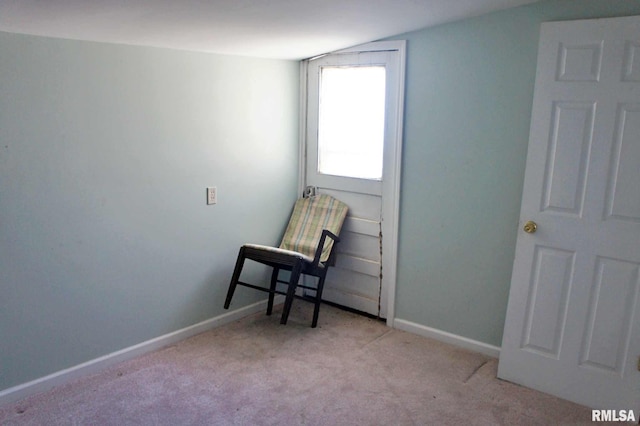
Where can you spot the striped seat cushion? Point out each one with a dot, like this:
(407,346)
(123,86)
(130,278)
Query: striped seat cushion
(310,216)
(280,251)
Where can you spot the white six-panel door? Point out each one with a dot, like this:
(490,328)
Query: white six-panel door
(573,320)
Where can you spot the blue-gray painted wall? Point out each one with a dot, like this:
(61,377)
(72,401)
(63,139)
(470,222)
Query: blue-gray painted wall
(106,240)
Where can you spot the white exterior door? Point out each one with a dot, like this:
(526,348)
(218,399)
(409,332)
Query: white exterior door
(573,320)
(368,181)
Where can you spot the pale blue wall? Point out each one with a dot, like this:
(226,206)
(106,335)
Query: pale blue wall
(105,153)
(469,91)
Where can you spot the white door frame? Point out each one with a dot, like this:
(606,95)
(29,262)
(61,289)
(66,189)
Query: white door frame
(391,181)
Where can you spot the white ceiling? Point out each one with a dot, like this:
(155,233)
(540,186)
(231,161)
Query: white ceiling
(284,29)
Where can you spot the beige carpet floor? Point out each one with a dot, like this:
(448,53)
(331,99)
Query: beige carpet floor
(351,370)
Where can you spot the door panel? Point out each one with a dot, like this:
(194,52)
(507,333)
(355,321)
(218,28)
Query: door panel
(546,311)
(631,71)
(623,197)
(610,315)
(568,156)
(573,322)
(355,280)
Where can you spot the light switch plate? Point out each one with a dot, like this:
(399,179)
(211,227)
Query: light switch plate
(212,195)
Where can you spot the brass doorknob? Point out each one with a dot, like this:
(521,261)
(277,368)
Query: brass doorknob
(530,227)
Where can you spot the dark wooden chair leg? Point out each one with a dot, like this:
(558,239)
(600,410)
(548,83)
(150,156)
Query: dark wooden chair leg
(316,308)
(291,291)
(272,288)
(235,278)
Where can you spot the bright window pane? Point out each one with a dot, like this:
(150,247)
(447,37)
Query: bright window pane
(351,121)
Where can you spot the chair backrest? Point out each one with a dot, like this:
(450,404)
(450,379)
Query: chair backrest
(310,216)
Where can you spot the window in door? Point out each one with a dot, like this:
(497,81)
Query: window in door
(351,121)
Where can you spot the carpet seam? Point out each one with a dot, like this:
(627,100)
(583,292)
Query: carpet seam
(377,339)
(473,373)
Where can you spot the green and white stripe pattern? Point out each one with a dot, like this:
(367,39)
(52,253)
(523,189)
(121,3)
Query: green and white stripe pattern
(310,216)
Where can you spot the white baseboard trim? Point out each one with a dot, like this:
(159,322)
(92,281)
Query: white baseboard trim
(443,336)
(93,366)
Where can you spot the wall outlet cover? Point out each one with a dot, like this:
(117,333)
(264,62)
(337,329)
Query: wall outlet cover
(212,195)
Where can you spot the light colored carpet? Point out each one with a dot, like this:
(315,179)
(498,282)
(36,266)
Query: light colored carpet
(350,370)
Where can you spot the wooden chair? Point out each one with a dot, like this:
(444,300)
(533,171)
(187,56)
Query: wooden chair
(307,248)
